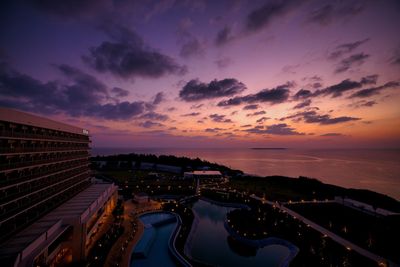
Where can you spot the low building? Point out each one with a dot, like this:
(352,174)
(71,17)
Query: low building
(64,235)
(145,166)
(168,168)
(364,207)
(141,198)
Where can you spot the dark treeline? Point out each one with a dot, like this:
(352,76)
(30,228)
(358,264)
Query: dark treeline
(187,164)
(277,188)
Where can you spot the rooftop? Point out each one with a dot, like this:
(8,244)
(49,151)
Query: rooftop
(16,116)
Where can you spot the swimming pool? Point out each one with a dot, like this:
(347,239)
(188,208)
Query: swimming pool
(211,243)
(152,249)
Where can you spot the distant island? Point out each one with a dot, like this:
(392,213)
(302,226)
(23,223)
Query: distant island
(268,148)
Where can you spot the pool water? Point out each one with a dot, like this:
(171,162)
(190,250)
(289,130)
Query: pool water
(210,243)
(152,249)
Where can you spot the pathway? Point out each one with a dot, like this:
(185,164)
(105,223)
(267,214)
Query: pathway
(349,245)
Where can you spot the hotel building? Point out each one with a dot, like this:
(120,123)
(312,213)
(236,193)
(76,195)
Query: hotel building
(50,209)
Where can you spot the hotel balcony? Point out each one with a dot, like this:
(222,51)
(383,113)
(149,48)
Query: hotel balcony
(29,200)
(42,162)
(22,150)
(44,137)
(19,177)
(8,193)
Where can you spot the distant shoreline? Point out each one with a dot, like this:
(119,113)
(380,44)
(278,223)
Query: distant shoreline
(268,148)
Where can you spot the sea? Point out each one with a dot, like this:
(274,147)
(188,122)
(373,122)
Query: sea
(374,169)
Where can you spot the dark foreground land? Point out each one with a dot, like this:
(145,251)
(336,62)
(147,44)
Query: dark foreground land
(374,233)
(378,234)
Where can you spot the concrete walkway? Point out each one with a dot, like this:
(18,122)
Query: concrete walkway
(120,253)
(344,242)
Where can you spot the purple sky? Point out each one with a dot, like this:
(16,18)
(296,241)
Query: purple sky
(207,73)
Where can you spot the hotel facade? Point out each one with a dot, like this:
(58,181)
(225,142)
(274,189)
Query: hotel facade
(50,208)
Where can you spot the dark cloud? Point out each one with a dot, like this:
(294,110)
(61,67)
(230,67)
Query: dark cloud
(196,106)
(316,85)
(116,111)
(315,78)
(303,104)
(313,117)
(275,129)
(223,62)
(363,103)
(79,94)
(332,134)
(193,114)
(257,113)
(290,69)
(302,94)
(346,85)
(220,118)
(327,13)
(158,98)
(250,107)
(346,48)
(127,56)
(282,129)
(119,92)
(150,124)
(71,8)
(261,17)
(195,90)
(351,61)
(395,60)
(213,130)
(262,119)
(224,36)
(192,47)
(154,116)
(246,126)
(276,95)
(368,92)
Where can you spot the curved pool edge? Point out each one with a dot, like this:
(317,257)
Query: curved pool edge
(260,243)
(189,239)
(171,242)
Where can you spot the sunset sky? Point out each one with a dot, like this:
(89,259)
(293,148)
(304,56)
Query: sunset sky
(173,73)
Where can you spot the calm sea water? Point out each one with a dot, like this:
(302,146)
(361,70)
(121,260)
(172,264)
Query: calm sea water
(374,169)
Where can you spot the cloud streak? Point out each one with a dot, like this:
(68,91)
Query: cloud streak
(314,117)
(275,95)
(274,129)
(195,90)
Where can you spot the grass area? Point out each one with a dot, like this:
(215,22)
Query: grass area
(376,234)
(146,181)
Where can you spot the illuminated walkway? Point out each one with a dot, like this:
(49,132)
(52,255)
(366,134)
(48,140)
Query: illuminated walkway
(349,245)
